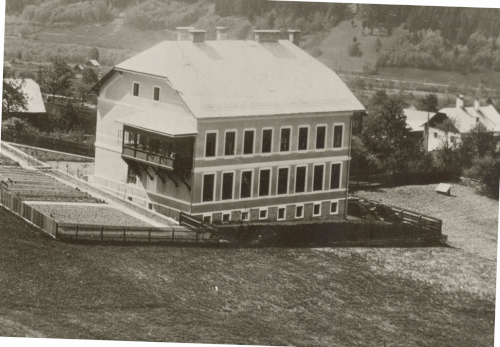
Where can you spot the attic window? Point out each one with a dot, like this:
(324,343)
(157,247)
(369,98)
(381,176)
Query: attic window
(136,89)
(156,93)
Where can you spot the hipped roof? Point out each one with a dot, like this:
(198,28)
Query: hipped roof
(245,78)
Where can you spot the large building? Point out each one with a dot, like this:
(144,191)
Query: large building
(227,130)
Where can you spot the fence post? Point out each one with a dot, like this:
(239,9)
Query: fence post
(124,231)
(149,237)
(76,236)
(57,227)
(173,234)
(420,223)
(102,232)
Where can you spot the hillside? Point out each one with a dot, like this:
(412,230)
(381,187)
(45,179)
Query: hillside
(267,296)
(406,50)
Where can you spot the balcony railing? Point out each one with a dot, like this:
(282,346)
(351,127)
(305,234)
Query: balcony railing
(149,157)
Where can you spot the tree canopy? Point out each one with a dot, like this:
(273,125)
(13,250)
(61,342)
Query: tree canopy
(13,97)
(56,78)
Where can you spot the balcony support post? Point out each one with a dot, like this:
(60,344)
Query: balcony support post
(170,176)
(145,168)
(157,172)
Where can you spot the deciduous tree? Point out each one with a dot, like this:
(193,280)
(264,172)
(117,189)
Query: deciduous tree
(56,78)
(13,96)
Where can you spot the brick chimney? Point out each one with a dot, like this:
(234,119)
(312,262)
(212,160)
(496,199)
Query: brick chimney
(183,33)
(266,35)
(221,33)
(197,35)
(460,101)
(294,36)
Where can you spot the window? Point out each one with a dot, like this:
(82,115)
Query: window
(136,89)
(245,215)
(299,211)
(246,184)
(156,93)
(317,209)
(320,137)
(226,217)
(335,177)
(281,213)
(207,218)
(263,213)
(150,206)
(283,181)
(435,135)
(337,136)
(300,179)
(227,185)
(208,187)
(318,177)
(264,181)
(334,207)
(303,132)
(248,142)
(267,140)
(285,140)
(355,124)
(230,141)
(211,144)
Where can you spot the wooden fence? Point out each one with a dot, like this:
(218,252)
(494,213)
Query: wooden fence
(77,232)
(51,143)
(357,181)
(16,205)
(368,209)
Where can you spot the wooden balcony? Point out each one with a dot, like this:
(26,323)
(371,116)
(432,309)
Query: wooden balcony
(149,158)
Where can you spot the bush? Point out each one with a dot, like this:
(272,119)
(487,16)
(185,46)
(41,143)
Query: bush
(353,50)
(487,170)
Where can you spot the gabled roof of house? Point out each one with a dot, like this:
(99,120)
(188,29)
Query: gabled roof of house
(245,78)
(417,119)
(34,100)
(466,117)
(94,62)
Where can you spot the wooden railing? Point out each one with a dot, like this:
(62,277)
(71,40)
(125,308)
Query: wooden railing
(150,157)
(195,224)
(383,212)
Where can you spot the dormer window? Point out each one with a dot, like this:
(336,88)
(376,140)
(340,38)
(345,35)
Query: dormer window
(135,91)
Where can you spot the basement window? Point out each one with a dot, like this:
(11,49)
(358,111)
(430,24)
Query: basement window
(226,217)
(263,213)
(245,215)
(317,209)
(299,211)
(334,207)
(281,213)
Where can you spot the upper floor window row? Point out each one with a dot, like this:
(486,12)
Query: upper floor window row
(136,90)
(266,140)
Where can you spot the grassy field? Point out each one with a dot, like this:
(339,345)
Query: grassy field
(268,296)
(470,220)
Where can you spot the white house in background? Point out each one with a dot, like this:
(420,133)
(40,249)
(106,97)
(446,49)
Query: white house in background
(93,63)
(467,117)
(34,101)
(424,129)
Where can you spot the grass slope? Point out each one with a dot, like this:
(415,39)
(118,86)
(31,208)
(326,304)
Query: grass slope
(469,219)
(269,296)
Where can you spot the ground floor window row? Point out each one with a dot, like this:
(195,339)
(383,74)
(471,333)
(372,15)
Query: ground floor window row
(263,178)
(307,210)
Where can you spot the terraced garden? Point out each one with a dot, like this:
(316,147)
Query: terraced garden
(85,214)
(30,185)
